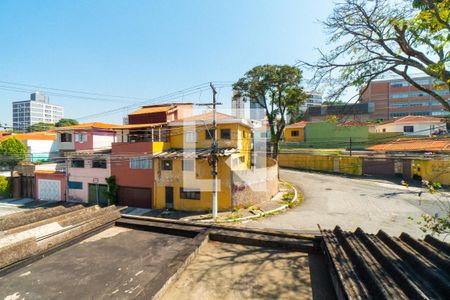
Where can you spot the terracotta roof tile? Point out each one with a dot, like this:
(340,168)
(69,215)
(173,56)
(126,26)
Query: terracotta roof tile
(301,124)
(208,116)
(90,126)
(44,135)
(432,145)
(415,119)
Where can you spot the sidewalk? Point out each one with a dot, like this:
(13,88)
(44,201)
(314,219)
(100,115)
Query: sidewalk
(288,196)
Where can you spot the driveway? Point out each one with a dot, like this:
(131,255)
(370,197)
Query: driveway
(332,200)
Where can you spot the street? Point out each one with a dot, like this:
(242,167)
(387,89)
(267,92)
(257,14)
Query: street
(371,204)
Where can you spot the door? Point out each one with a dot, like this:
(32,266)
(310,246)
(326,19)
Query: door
(96,194)
(169,197)
(407,169)
(49,190)
(135,197)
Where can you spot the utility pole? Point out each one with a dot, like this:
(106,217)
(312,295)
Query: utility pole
(214,148)
(350,146)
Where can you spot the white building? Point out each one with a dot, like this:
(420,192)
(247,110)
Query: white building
(36,109)
(237,106)
(414,125)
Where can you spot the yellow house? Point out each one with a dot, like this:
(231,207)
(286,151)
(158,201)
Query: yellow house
(295,132)
(183,179)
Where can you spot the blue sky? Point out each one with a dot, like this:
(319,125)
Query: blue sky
(145,49)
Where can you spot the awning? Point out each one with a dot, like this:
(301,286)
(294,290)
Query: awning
(194,153)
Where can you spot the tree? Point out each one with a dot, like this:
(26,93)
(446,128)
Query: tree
(41,126)
(276,88)
(373,38)
(66,122)
(12,151)
(113,190)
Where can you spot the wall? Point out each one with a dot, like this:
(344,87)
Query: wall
(351,165)
(419,129)
(249,187)
(42,149)
(86,175)
(432,170)
(157,117)
(101,139)
(120,166)
(176,180)
(61,177)
(288,135)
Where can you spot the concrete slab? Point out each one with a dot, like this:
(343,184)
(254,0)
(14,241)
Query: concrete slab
(231,271)
(116,263)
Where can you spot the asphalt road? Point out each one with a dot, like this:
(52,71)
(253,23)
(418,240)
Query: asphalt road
(332,200)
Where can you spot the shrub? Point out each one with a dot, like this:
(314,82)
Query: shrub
(4,186)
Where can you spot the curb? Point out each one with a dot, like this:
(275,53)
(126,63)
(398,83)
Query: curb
(283,207)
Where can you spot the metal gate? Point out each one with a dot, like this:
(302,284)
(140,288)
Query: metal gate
(378,167)
(135,197)
(96,194)
(49,189)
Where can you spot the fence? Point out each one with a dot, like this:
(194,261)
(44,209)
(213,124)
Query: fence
(431,169)
(253,186)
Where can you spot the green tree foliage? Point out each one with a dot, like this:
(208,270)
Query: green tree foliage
(113,190)
(4,187)
(370,39)
(12,151)
(66,122)
(41,126)
(276,88)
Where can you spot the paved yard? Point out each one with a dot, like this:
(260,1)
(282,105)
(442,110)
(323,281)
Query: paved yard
(332,200)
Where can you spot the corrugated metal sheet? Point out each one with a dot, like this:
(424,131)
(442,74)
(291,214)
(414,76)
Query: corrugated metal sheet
(194,153)
(369,266)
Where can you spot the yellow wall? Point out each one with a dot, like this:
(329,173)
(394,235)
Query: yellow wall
(327,163)
(189,179)
(288,135)
(432,170)
(240,139)
(160,146)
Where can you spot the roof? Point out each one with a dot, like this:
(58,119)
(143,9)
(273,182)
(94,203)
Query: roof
(94,152)
(49,172)
(207,118)
(369,266)
(137,126)
(301,124)
(432,145)
(415,119)
(40,136)
(150,110)
(194,153)
(89,126)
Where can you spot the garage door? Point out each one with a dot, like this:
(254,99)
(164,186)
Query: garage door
(378,167)
(135,197)
(49,189)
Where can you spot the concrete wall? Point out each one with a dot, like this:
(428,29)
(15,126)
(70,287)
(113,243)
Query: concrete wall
(419,129)
(432,170)
(249,187)
(41,150)
(351,165)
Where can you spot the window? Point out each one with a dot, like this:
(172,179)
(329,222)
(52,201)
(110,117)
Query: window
(225,134)
(75,185)
(167,165)
(190,136)
(66,137)
(142,162)
(408,128)
(209,134)
(81,137)
(77,163)
(190,193)
(294,133)
(188,164)
(99,163)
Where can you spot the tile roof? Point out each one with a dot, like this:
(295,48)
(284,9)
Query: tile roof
(152,109)
(301,124)
(44,135)
(415,119)
(432,145)
(89,126)
(208,116)
(369,266)
(136,126)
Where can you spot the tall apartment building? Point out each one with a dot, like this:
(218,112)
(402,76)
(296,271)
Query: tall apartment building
(36,109)
(394,98)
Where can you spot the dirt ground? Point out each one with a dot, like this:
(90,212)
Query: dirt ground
(230,271)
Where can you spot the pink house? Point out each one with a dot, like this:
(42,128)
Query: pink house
(87,171)
(88,136)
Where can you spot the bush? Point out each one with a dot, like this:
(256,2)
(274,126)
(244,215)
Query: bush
(4,186)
